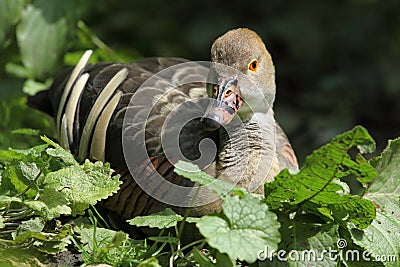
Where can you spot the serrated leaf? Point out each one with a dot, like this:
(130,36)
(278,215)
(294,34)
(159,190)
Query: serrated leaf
(28,172)
(31,232)
(14,182)
(315,186)
(80,186)
(247,228)
(16,154)
(54,205)
(59,152)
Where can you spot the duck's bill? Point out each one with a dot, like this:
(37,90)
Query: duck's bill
(227,102)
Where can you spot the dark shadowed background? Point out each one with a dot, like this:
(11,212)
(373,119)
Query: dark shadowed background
(337,62)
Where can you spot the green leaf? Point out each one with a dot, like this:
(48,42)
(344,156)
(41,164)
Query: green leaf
(100,245)
(31,232)
(21,257)
(32,87)
(59,152)
(247,228)
(304,243)
(26,154)
(28,172)
(35,225)
(92,237)
(193,173)
(152,262)
(80,186)
(385,190)
(223,260)
(382,237)
(26,131)
(201,259)
(42,36)
(10,13)
(53,206)
(6,200)
(164,219)
(315,187)
(361,212)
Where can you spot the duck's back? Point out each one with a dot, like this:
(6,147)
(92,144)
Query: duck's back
(155,103)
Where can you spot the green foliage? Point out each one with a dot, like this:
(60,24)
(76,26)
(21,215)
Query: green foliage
(162,220)
(16,123)
(40,184)
(315,208)
(308,211)
(10,13)
(382,237)
(246,228)
(100,245)
(315,188)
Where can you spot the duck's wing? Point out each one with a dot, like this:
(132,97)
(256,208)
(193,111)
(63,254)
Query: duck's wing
(286,156)
(97,106)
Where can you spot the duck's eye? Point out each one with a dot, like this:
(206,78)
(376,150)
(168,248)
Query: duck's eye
(253,65)
(215,90)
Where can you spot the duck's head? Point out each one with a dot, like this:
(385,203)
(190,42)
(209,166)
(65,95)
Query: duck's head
(242,78)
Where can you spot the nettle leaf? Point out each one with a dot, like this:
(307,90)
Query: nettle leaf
(315,186)
(80,186)
(28,172)
(382,237)
(58,152)
(31,232)
(53,206)
(247,227)
(23,154)
(164,219)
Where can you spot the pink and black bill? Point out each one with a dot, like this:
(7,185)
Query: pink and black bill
(227,102)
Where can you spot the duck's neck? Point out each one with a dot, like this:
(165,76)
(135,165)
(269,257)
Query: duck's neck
(246,154)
